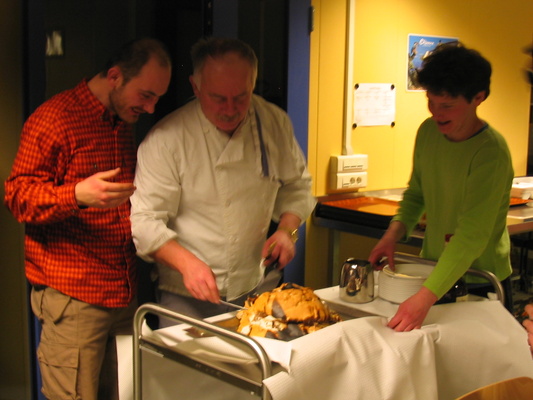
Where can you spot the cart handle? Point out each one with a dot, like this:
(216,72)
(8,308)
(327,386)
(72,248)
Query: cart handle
(151,308)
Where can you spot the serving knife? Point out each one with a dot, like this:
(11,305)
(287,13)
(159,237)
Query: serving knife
(227,303)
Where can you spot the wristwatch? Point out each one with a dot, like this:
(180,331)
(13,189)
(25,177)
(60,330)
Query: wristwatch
(293,233)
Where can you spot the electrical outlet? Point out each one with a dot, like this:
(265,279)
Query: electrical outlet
(345,181)
(349,163)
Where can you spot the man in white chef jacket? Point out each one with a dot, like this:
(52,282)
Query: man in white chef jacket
(210,178)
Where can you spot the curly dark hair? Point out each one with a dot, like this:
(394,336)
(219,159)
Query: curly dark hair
(455,70)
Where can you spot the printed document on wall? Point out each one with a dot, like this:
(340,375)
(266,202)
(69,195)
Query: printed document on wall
(374,104)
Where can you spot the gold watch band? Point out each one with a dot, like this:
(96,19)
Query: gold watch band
(293,233)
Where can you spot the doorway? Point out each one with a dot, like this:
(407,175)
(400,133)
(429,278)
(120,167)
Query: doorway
(90,30)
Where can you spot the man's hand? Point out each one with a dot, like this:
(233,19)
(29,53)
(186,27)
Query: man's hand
(198,277)
(200,281)
(97,190)
(280,246)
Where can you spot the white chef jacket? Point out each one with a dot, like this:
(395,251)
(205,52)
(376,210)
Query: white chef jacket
(208,191)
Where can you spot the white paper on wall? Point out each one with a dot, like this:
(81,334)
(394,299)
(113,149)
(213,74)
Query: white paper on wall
(374,104)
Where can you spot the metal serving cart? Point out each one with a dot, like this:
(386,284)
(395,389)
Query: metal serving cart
(221,379)
(218,379)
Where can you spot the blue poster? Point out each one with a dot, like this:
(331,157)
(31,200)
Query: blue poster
(419,47)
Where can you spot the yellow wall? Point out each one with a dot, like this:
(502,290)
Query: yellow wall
(499,30)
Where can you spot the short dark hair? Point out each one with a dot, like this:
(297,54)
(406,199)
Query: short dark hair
(455,70)
(216,47)
(135,54)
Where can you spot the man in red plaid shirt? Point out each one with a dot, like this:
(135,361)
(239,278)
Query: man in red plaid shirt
(70,184)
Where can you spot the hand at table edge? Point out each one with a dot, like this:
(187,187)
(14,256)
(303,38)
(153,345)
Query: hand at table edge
(412,312)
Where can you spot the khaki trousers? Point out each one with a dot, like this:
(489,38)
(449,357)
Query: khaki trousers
(77,351)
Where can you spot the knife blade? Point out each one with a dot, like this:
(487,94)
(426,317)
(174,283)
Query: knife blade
(227,303)
(270,279)
(270,276)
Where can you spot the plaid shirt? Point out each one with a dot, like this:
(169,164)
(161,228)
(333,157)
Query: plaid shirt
(86,253)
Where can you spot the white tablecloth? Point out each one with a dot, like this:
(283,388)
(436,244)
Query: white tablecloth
(461,347)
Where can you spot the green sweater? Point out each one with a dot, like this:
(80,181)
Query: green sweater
(464,189)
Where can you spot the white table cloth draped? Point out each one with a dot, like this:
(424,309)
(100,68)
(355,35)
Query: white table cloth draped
(461,347)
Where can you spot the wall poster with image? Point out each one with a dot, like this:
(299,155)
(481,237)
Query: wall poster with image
(419,47)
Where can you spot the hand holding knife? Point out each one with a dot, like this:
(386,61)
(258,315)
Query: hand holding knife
(264,285)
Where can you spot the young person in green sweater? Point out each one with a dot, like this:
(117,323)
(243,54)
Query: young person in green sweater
(461,179)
